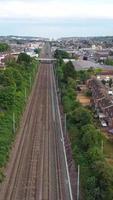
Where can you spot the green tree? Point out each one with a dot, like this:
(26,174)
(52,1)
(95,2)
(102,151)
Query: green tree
(69,71)
(14,76)
(90,137)
(5,80)
(83,75)
(92,190)
(4,47)
(37,51)
(95,153)
(72,84)
(7,97)
(61,54)
(81,117)
(23,57)
(108,61)
(104,175)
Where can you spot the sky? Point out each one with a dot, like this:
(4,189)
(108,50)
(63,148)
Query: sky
(56,18)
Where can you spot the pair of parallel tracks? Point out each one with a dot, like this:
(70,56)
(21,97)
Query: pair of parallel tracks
(35,174)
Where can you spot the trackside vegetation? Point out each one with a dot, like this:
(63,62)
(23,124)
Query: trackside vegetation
(15,86)
(96,175)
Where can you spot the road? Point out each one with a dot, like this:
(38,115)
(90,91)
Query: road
(37,168)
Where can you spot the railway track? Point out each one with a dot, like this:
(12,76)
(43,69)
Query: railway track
(36,171)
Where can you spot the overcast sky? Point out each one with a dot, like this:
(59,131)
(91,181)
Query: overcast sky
(56,18)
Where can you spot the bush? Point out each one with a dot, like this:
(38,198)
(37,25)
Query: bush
(23,57)
(61,54)
(4,47)
(81,117)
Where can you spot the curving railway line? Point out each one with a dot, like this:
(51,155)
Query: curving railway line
(37,167)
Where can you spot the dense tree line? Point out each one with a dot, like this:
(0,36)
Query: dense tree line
(61,54)
(96,173)
(15,84)
(4,47)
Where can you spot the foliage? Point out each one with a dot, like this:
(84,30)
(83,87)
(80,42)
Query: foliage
(81,116)
(69,71)
(15,77)
(37,51)
(4,47)
(90,137)
(84,75)
(108,61)
(61,54)
(23,57)
(7,97)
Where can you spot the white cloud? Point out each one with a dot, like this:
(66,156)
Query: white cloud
(55,9)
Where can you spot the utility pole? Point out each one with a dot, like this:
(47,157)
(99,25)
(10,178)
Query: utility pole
(57,83)
(65,124)
(14,128)
(78,184)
